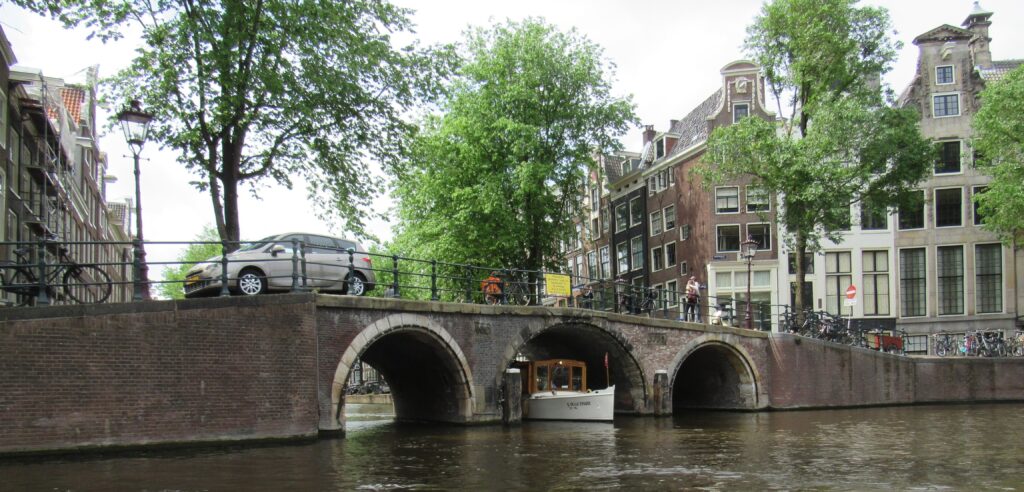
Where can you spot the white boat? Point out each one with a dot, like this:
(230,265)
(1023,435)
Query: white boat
(557,390)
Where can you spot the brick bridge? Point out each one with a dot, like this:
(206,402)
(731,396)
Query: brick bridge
(272,367)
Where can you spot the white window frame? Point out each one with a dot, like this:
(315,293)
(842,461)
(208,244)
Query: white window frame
(669,264)
(770,238)
(962,146)
(935,206)
(735,119)
(719,211)
(656,231)
(664,216)
(624,258)
(739,232)
(672,289)
(631,214)
(605,267)
(636,253)
(655,253)
(959,108)
(874,274)
(952,72)
(746,197)
(963,280)
(621,225)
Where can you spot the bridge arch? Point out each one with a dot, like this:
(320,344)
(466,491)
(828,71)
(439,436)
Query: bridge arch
(588,340)
(429,375)
(712,371)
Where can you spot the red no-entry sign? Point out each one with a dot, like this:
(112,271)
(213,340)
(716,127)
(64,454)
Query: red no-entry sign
(851,295)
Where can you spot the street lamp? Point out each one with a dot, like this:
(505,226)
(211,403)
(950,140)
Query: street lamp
(747,250)
(135,123)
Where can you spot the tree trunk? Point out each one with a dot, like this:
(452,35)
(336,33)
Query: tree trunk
(800,250)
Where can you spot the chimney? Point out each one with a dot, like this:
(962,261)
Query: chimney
(649,134)
(672,124)
(977,22)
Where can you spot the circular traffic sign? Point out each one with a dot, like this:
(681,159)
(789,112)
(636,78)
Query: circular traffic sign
(851,292)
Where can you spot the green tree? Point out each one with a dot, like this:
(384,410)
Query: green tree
(494,180)
(271,89)
(171,288)
(999,138)
(842,144)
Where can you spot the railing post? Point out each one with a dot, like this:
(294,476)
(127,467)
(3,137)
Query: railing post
(224,290)
(43,299)
(351,269)
(295,266)
(302,252)
(664,302)
(136,270)
(433,280)
(394,277)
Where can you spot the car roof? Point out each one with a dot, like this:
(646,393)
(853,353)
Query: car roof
(315,234)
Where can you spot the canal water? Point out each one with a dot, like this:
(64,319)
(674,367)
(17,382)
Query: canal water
(958,447)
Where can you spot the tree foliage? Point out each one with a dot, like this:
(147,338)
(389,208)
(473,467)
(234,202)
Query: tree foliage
(999,139)
(494,180)
(271,90)
(200,250)
(842,143)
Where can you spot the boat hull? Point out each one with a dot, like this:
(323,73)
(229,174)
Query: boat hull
(597,405)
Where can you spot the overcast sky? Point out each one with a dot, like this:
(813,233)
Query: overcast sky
(668,56)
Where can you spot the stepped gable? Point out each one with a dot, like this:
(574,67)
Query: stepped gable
(695,128)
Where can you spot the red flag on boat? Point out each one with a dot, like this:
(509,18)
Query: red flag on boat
(606,360)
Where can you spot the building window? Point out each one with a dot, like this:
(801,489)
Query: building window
(636,212)
(912,282)
(670,217)
(728,238)
(945,105)
(622,257)
(684,232)
(740,111)
(621,217)
(762,233)
(672,292)
(656,223)
(949,207)
(915,344)
(988,281)
(873,220)
(606,262)
(727,200)
(684,269)
(837,280)
(949,157)
(595,229)
(911,214)
(808,263)
(625,167)
(757,200)
(977,190)
(592,272)
(670,255)
(636,245)
(659,148)
(657,259)
(876,283)
(595,196)
(3,120)
(944,75)
(950,266)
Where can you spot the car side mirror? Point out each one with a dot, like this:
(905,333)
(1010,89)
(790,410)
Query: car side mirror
(277,248)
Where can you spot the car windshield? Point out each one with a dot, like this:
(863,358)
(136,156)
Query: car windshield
(257,245)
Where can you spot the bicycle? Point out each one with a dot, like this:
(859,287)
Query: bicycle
(83,284)
(944,344)
(515,291)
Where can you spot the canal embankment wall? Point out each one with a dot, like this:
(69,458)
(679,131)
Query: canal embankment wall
(157,373)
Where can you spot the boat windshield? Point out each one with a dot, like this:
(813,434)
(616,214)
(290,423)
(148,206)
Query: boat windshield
(560,377)
(542,378)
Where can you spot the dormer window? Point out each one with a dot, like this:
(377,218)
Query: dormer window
(659,148)
(944,75)
(740,111)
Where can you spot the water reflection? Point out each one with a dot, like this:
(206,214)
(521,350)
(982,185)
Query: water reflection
(931,447)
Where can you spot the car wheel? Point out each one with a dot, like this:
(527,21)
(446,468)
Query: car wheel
(252,282)
(355,285)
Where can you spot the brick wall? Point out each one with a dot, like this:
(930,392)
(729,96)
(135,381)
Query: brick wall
(162,372)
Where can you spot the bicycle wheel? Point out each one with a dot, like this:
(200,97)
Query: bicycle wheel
(516,295)
(941,349)
(87,284)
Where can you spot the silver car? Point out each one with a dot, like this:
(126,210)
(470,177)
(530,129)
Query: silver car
(267,265)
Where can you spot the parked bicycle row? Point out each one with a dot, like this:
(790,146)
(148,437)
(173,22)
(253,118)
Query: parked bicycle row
(979,343)
(833,328)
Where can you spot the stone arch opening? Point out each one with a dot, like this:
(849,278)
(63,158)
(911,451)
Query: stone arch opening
(714,376)
(589,343)
(428,376)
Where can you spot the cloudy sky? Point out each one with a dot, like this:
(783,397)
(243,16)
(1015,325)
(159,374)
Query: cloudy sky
(668,56)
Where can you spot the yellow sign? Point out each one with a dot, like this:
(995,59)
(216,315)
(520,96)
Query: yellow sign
(558,285)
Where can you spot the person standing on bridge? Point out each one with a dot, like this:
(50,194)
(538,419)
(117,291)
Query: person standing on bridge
(692,312)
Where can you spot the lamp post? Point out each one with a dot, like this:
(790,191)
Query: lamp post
(135,123)
(747,250)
